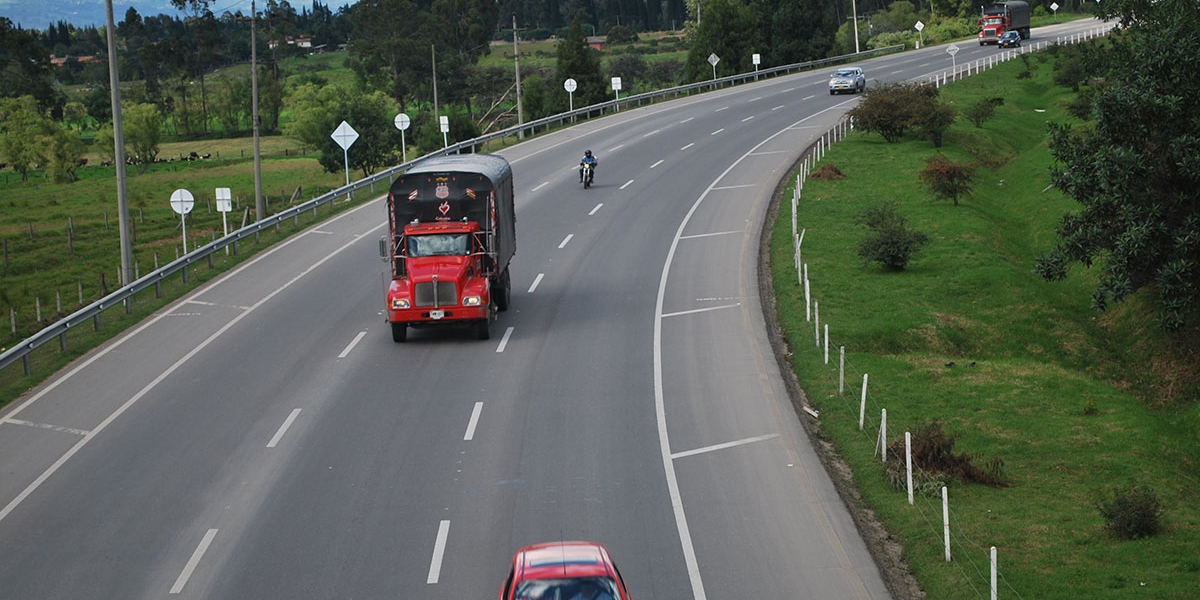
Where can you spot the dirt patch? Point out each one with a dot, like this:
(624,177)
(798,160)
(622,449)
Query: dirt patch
(827,172)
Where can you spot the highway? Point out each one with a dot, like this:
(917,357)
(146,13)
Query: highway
(264,437)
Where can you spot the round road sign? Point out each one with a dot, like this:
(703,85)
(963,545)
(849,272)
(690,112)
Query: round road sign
(182,201)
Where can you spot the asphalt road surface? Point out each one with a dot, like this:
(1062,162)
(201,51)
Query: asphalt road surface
(265,438)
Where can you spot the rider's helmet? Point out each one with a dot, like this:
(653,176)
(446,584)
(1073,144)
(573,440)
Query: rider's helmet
(587,152)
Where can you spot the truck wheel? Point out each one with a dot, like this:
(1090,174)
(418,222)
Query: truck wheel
(483,329)
(399,332)
(502,291)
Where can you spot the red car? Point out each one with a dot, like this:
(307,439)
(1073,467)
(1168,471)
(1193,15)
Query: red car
(563,571)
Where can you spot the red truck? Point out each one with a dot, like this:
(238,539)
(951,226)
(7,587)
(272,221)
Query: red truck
(451,235)
(1000,17)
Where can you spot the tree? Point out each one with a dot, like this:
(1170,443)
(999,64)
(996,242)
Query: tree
(25,69)
(729,29)
(946,179)
(63,152)
(982,110)
(891,243)
(317,111)
(1134,172)
(24,128)
(143,126)
(578,61)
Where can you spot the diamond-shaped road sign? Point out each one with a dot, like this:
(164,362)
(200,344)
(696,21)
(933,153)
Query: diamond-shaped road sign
(344,135)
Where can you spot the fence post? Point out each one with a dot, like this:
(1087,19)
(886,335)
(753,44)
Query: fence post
(883,435)
(946,521)
(817,321)
(908,463)
(827,343)
(841,369)
(993,573)
(862,406)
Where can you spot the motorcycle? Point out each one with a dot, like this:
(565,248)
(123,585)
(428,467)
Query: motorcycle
(587,171)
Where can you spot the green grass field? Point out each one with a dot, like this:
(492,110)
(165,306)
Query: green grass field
(1030,359)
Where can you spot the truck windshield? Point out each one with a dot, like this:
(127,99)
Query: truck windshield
(993,20)
(442,244)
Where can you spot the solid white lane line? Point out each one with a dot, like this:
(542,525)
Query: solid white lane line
(627,184)
(536,281)
(540,186)
(688,146)
(565,241)
(700,310)
(504,340)
(352,343)
(193,561)
(725,445)
(470,435)
(439,549)
(596,210)
(287,423)
(660,161)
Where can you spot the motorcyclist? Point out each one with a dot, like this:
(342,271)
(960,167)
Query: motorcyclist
(587,159)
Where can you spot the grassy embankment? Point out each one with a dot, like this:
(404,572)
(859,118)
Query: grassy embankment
(1072,401)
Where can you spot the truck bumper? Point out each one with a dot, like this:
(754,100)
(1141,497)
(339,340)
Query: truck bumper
(446,315)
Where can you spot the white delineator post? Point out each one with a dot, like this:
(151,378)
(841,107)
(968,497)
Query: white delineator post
(946,521)
(862,405)
(908,463)
(993,573)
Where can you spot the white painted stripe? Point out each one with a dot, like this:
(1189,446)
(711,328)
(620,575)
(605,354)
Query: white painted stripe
(48,426)
(470,435)
(353,343)
(700,310)
(717,131)
(748,118)
(565,241)
(596,210)
(542,185)
(287,423)
(627,184)
(700,235)
(504,340)
(439,549)
(777,107)
(193,561)
(788,90)
(686,120)
(615,148)
(660,161)
(646,135)
(688,146)
(725,445)
(721,109)
(734,187)
(756,98)
(809,97)
(536,281)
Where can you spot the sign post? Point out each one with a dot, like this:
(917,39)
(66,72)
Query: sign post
(713,59)
(616,86)
(952,50)
(402,122)
(345,136)
(224,205)
(570,86)
(920,27)
(444,124)
(755,58)
(182,202)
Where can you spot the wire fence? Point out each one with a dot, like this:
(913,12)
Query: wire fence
(976,562)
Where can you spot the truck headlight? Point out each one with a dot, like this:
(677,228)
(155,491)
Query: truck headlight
(399,303)
(471,301)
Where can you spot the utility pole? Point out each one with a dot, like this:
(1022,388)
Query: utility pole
(517,66)
(260,201)
(433,53)
(124,226)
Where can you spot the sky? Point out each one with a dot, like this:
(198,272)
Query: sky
(40,14)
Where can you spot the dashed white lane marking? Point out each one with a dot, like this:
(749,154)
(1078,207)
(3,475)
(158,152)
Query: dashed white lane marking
(352,344)
(536,281)
(660,161)
(470,435)
(439,549)
(686,120)
(627,184)
(541,185)
(777,107)
(287,423)
(596,210)
(700,310)
(646,135)
(615,148)
(193,561)
(717,131)
(565,241)
(809,97)
(721,109)
(48,426)
(725,445)
(748,118)
(504,340)
(688,146)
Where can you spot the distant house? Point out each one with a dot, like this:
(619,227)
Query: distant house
(596,41)
(60,61)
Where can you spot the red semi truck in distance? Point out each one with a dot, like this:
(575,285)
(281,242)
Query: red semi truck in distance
(1003,16)
(451,235)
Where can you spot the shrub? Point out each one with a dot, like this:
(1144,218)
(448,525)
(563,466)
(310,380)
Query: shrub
(1131,512)
(946,179)
(982,110)
(892,109)
(891,243)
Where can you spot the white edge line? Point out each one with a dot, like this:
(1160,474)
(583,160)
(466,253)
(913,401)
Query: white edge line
(287,423)
(470,435)
(439,549)
(193,561)
(504,340)
(536,281)
(352,344)
(664,441)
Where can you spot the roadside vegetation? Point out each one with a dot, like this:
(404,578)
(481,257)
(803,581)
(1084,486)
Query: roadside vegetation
(1067,437)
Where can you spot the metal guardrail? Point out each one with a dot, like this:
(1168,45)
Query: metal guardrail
(126,294)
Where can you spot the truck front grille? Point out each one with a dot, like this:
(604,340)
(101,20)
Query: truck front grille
(437,293)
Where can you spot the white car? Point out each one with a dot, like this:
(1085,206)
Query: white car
(847,79)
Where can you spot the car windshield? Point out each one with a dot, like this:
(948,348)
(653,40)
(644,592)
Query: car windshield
(576,588)
(444,244)
(844,73)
